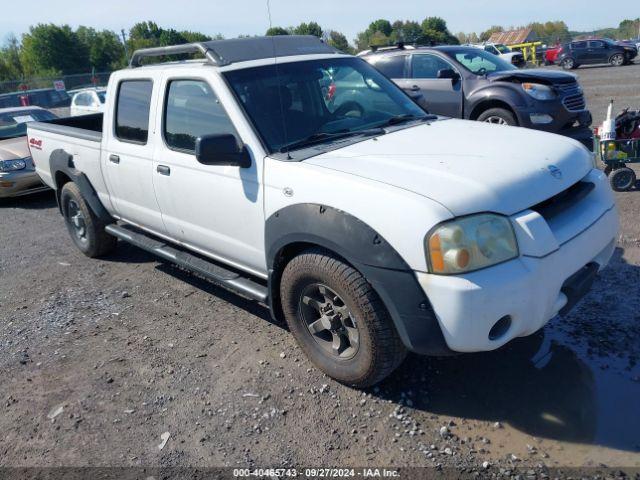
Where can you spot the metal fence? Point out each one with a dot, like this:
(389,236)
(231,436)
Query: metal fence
(71,82)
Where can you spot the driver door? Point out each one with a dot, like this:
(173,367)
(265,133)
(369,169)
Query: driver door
(443,96)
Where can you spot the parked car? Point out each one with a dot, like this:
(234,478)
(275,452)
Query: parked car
(56,101)
(513,57)
(466,82)
(371,226)
(88,100)
(591,52)
(17,172)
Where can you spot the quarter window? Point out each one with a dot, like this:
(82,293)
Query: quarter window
(132,110)
(193,110)
(392,66)
(427,66)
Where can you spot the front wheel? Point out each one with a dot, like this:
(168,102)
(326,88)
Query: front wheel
(498,116)
(85,228)
(338,319)
(617,60)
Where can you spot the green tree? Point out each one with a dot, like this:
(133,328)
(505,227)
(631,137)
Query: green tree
(339,41)
(273,31)
(10,66)
(311,28)
(434,29)
(629,29)
(105,50)
(377,33)
(51,48)
(406,31)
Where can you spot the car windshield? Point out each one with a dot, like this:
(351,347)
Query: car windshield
(478,61)
(502,48)
(319,99)
(14,123)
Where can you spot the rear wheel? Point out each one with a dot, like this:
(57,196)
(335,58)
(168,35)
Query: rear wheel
(622,179)
(498,116)
(617,60)
(338,319)
(85,228)
(568,63)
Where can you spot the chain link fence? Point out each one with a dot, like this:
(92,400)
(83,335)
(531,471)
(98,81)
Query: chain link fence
(71,82)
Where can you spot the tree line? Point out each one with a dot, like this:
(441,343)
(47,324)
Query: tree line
(49,50)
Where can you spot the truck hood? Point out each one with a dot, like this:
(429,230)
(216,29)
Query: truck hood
(532,74)
(13,148)
(466,166)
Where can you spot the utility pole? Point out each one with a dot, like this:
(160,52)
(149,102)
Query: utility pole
(124,42)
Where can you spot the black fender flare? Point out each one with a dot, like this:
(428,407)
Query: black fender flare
(62,161)
(499,92)
(368,252)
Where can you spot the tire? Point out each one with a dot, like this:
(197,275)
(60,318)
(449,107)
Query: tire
(85,228)
(617,60)
(498,116)
(354,340)
(622,179)
(568,63)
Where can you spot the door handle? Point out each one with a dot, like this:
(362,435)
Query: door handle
(114,158)
(163,170)
(415,88)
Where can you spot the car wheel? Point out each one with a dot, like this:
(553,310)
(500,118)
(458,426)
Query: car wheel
(498,116)
(85,228)
(338,320)
(617,60)
(568,63)
(622,179)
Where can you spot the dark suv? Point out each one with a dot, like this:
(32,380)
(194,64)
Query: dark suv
(466,82)
(590,52)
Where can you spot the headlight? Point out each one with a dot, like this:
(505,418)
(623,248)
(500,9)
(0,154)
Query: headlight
(470,243)
(12,165)
(539,91)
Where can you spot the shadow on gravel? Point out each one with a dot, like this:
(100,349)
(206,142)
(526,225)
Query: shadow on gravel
(548,385)
(35,201)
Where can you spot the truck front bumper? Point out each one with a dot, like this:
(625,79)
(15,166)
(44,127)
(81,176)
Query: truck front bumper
(20,182)
(523,294)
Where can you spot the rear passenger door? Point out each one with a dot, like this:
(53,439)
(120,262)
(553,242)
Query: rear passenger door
(580,53)
(127,159)
(214,209)
(596,52)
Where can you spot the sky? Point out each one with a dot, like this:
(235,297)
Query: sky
(232,18)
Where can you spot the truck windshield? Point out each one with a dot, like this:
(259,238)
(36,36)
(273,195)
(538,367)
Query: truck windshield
(319,100)
(14,123)
(478,61)
(502,48)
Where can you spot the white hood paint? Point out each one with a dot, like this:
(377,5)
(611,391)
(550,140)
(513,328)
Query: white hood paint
(467,166)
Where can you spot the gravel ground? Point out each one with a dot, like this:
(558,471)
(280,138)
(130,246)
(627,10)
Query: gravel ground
(100,358)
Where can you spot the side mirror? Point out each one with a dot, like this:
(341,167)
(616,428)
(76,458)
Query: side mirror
(448,73)
(221,149)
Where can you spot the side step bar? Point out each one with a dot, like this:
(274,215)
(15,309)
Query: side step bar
(210,270)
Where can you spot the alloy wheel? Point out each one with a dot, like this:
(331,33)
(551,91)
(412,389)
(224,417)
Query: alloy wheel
(329,321)
(77,220)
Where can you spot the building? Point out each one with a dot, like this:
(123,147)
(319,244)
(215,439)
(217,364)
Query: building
(514,37)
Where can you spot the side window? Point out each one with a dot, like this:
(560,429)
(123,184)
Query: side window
(427,66)
(191,111)
(596,44)
(392,66)
(132,110)
(491,49)
(83,100)
(579,45)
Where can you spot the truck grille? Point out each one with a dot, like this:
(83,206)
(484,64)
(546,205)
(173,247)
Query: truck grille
(564,200)
(573,98)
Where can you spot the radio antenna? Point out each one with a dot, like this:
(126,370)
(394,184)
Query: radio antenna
(275,60)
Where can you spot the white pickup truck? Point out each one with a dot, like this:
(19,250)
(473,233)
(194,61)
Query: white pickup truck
(304,179)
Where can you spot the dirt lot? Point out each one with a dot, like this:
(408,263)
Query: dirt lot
(99,358)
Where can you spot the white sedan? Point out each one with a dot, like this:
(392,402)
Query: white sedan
(87,101)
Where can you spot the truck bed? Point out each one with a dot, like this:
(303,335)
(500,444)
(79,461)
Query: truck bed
(85,127)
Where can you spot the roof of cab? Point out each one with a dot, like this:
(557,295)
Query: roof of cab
(237,50)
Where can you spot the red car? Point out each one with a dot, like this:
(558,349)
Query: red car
(551,54)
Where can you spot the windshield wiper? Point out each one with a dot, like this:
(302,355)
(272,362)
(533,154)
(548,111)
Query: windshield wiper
(398,119)
(323,136)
